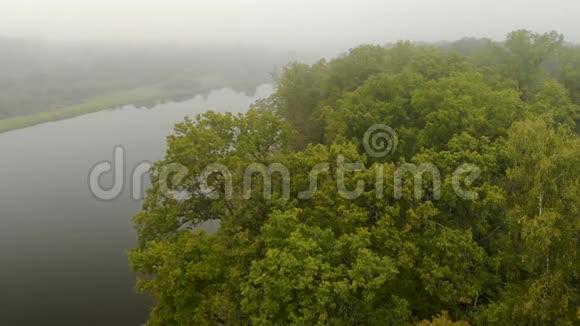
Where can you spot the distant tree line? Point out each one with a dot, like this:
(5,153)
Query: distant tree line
(37,77)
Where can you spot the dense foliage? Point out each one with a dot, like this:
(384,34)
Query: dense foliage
(507,256)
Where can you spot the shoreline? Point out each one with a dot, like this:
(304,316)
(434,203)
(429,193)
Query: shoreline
(152,94)
(94,104)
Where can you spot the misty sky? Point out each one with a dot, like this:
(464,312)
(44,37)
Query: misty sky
(279,23)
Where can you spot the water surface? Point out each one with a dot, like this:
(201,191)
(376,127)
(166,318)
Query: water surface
(63,252)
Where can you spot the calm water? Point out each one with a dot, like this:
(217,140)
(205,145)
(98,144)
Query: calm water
(62,252)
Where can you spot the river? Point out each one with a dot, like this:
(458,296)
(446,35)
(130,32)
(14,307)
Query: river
(63,253)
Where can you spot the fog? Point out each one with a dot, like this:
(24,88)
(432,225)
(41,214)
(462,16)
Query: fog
(282,24)
(92,92)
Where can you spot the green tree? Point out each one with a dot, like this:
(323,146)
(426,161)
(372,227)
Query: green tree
(539,260)
(496,244)
(527,52)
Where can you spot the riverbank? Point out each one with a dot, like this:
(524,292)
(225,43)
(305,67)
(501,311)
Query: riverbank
(98,103)
(142,96)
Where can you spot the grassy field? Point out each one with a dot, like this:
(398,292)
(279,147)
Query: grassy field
(116,99)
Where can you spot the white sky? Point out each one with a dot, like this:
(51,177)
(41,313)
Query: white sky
(277,22)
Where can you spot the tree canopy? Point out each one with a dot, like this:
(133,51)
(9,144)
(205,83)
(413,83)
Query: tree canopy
(393,253)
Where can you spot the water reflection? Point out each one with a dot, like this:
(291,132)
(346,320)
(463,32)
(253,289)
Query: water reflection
(63,252)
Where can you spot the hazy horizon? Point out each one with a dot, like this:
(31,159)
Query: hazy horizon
(323,23)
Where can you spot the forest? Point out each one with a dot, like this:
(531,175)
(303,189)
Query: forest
(508,255)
